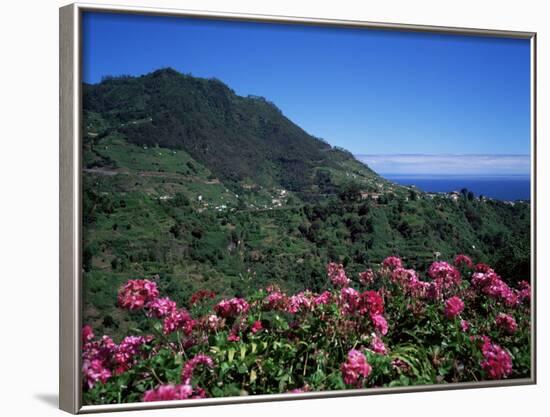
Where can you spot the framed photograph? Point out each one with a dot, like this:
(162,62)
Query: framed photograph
(260,208)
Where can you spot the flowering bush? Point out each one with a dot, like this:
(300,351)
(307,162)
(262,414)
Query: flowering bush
(390,328)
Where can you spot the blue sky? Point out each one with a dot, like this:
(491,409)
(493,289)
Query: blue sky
(369,91)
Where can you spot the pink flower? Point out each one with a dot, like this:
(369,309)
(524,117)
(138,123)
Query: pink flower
(232,307)
(213,322)
(323,298)
(275,300)
(524,291)
(355,368)
(497,362)
(453,307)
(483,268)
(87,334)
(506,323)
(126,351)
(173,392)
(233,337)
(372,302)
(178,319)
(349,300)
(464,325)
(300,302)
(256,327)
(463,260)
(136,293)
(337,275)
(392,262)
(446,275)
(160,307)
(305,388)
(189,367)
(94,371)
(366,277)
(377,345)
(490,284)
(380,323)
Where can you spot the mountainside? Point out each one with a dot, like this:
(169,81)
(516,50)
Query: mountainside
(242,140)
(186,181)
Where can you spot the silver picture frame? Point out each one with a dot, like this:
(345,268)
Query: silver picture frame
(70,203)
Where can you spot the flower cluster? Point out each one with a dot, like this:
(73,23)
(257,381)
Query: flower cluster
(302,301)
(497,362)
(189,368)
(463,260)
(453,307)
(136,293)
(377,345)
(171,392)
(247,346)
(506,323)
(392,262)
(337,275)
(232,307)
(444,275)
(492,285)
(355,368)
(103,358)
(366,277)
(201,295)
(178,319)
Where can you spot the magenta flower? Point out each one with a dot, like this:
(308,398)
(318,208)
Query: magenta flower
(95,371)
(233,337)
(275,300)
(372,302)
(87,334)
(173,392)
(524,291)
(392,262)
(232,307)
(464,325)
(302,301)
(506,323)
(497,362)
(305,388)
(349,300)
(213,322)
(160,307)
(377,345)
(380,323)
(176,320)
(366,277)
(136,293)
(490,284)
(256,327)
(461,260)
(189,367)
(126,351)
(444,274)
(337,275)
(453,307)
(355,368)
(323,298)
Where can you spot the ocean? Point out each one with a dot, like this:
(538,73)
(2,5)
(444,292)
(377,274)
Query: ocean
(507,188)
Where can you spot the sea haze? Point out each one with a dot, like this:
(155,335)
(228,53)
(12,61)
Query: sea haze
(498,176)
(500,187)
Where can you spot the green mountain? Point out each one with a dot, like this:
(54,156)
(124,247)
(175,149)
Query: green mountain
(187,181)
(241,140)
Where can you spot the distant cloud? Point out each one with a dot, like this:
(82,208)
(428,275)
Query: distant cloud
(447,164)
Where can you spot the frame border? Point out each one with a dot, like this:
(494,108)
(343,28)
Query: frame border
(70,202)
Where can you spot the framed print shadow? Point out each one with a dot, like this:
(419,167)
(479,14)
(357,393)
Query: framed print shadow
(258,208)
